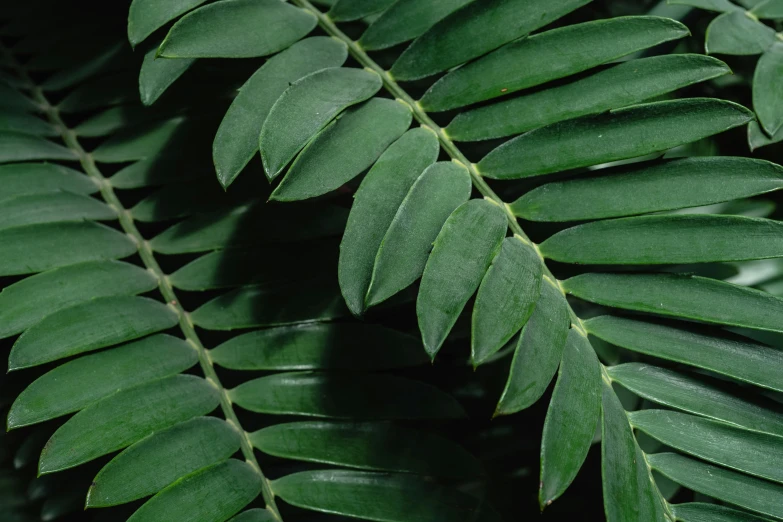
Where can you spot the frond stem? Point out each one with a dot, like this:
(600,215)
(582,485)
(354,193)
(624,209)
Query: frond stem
(148,258)
(361,56)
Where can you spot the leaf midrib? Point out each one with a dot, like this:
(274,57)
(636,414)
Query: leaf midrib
(148,258)
(457,156)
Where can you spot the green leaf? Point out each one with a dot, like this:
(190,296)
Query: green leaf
(405,247)
(23,123)
(259,306)
(377,201)
(381,497)
(237,29)
(619,134)
(737,33)
(405,20)
(461,255)
(141,142)
(376,446)
(269,223)
(254,515)
(20,179)
(146,16)
(112,120)
(735,488)
(505,299)
(666,185)
(306,107)
(476,29)
(757,454)
(625,84)
(26,302)
(629,490)
(345,396)
(673,239)
(702,512)
(157,74)
(348,10)
(744,361)
(768,89)
(211,495)
(344,149)
(721,6)
(758,138)
(270,266)
(36,248)
(571,418)
(154,171)
(13,100)
(106,57)
(100,93)
(537,353)
(236,140)
(548,56)
(126,417)
(772,9)
(686,393)
(53,207)
(160,459)
(16,146)
(320,346)
(689,297)
(84,381)
(95,324)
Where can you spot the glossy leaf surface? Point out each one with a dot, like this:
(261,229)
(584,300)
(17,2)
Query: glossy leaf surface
(767,89)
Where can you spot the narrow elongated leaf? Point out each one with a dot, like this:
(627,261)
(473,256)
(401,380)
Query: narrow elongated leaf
(19,179)
(666,185)
(735,488)
(271,265)
(146,16)
(767,89)
(630,82)
(126,417)
(772,9)
(345,396)
(36,248)
(461,255)
(548,56)
(89,326)
(757,454)
(141,142)
(112,120)
(348,10)
(106,57)
(737,33)
(620,134)
(403,253)
(376,446)
(629,490)
(648,240)
(269,223)
(686,393)
(538,351)
(381,497)
(703,512)
(211,495)
(376,203)
(306,107)
(26,302)
(17,146)
(320,346)
(689,297)
(721,6)
(571,418)
(84,381)
(157,74)
(254,515)
(21,122)
(257,306)
(13,100)
(100,93)
(745,361)
(505,299)
(236,140)
(155,462)
(155,171)
(405,20)
(53,207)
(344,149)
(237,29)
(477,28)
